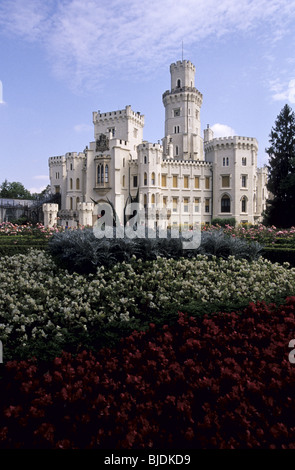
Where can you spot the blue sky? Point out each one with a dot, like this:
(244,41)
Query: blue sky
(61,60)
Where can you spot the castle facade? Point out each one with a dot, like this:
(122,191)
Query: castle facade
(191,176)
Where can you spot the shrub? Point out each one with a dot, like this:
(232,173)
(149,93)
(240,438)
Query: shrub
(220,382)
(218,243)
(81,251)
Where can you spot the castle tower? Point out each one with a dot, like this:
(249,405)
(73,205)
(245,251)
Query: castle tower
(182,104)
(50,214)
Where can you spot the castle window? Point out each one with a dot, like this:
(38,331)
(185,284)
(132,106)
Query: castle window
(107,173)
(197,182)
(78,183)
(225,161)
(77,202)
(244,161)
(165,201)
(178,85)
(57,189)
(98,174)
(123,162)
(185,181)
(176,112)
(176,150)
(145,179)
(225,203)
(112,131)
(175,181)
(244,204)
(71,203)
(145,200)
(176,129)
(225,181)
(153,199)
(174,204)
(71,183)
(164,181)
(123,181)
(244,181)
(207,205)
(207,182)
(197,204)
(101,174)
(134,181)
(71,166)
(185,204)
(144,160)
(153,179)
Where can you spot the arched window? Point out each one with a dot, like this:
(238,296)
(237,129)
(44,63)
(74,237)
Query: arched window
(106,173)
(71,183)
(225,203)
(153,178)
(98,174)
(77,183)
(101,174)
(244,204)
(178,83)
(145,179)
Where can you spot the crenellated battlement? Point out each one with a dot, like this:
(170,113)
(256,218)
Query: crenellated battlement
(182,64)
(232,141)
(120,114)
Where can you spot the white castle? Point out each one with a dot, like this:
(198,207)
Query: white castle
(191,178)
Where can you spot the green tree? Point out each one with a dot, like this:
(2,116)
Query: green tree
(281,178)
(14,190)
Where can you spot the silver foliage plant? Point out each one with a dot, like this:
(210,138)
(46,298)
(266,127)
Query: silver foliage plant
(80,250)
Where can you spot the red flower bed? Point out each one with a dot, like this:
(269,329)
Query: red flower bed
(218,382)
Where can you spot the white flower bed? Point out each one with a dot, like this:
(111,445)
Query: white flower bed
(40,300)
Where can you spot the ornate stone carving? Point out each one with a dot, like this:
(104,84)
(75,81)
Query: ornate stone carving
(102,143)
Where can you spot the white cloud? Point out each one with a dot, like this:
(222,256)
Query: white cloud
(288,94)
(222,130)
(34,190)
(41,177)
(90,39)
(80,128)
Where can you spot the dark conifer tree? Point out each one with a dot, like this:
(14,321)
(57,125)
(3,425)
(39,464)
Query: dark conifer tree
(281,178)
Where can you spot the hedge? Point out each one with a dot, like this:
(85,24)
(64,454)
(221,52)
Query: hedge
(10,250)
(279,255)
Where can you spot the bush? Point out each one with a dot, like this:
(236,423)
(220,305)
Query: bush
(82,252)
(219,244)
(220,382)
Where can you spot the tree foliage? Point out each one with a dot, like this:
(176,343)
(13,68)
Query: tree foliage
(14,190)
(281,181)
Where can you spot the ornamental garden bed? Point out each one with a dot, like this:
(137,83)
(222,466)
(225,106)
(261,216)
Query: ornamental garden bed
(216,382)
